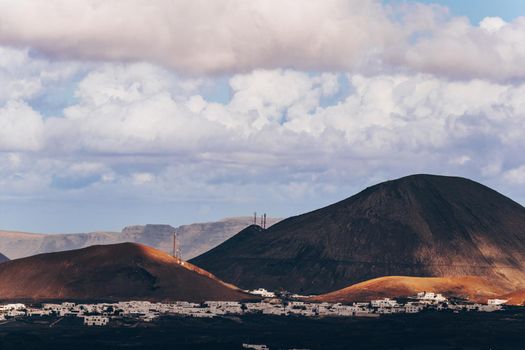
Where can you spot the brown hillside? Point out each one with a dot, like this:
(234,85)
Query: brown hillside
(419,225)
(515,298)
(111,272)
(472,287)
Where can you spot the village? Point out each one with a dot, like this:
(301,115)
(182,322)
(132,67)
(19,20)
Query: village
(101,314)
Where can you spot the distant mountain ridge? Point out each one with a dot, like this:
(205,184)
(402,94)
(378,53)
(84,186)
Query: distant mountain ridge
(125,271)
(195,238)
(419,225)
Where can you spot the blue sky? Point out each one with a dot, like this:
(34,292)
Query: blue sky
(476,10)
(228,109)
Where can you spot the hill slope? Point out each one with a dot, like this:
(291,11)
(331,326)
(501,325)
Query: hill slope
(3,258)
(110,272)
(195,238)
(475,288)
(515,298)
(420,225)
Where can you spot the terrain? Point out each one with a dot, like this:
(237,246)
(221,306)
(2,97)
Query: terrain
(515,297)
(3,258)
(125,271)
(419,225)
(195,238)
(423,331)
(475,289)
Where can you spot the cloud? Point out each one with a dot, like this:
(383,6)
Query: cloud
(24,77)
(515,176)
(142,178)
(493,50)
(236,36)
(21,128)
(269,94)
(140,133)
(199,36)
(143,109)
(136,119)
(492,24)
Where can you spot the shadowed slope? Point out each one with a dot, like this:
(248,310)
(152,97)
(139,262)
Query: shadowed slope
(111,272)
(3,258)
(420,225)
(474,288)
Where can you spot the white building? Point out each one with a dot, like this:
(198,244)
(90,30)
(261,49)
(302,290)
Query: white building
(431,297)
(17,306)
(384,303)
(496,301)
(37,312)
(224,307)
(412,308)
(263,292)
(490,308)
(255,346)
(96,320)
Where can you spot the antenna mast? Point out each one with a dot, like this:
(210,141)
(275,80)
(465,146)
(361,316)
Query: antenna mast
(177,251)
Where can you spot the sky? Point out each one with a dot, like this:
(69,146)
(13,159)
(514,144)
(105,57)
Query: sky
(118,112)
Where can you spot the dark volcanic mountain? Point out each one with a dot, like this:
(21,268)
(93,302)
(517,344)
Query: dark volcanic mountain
(126,271)
(3,258)
(420,225)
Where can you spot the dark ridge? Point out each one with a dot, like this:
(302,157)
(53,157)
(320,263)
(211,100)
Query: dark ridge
(419,225)
(3,258)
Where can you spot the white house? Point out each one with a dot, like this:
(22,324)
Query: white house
(263,292)
(17,306)
(255,346)
(37,312)
(96,320)
(411,308)
(382,303)
(431,297)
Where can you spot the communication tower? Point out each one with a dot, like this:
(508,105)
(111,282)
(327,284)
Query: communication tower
(177,251)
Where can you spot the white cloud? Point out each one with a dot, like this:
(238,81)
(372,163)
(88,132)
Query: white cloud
(492,24)
(268,94)
(16,83)
(13,160)
(461,160)
(276,117)
(128,109)
(21,128)
(233,36)
(142,178)
(200,36)
(515,176)
(492,50)
(23,77)
(140,131)
(325,97)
